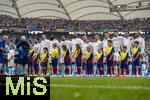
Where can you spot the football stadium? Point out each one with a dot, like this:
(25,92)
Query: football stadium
(88,49)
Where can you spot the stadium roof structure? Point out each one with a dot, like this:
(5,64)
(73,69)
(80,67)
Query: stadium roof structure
(74,9)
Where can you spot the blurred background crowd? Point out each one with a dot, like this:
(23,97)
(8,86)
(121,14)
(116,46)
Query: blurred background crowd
(54,25)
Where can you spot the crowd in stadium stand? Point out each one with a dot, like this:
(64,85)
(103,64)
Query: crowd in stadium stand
(37,24)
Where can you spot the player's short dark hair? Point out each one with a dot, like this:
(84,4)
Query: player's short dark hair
(116,31)
(126,32)
(52,37)
(106,33)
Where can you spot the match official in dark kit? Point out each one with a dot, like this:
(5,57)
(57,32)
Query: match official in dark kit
(3,51)
(23,47)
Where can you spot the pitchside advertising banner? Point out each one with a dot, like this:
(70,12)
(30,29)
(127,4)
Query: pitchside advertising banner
(25,88)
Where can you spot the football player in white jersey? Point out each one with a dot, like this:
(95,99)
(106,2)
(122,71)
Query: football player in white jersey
(97,44)
(105,45)
(128,43)
(117,44)
(37,45)
(44,43)
(85,44)
(53,41)
(75,41)
(105,39)
(141,41)
(66,42)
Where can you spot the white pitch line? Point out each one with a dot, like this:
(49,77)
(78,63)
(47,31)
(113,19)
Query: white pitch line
(100,87)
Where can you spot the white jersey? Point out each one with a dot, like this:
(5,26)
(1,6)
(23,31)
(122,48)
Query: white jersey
(51,45)
(141,43)
(85,45)
(74,42)
(38,45)
(105,43)
(67,43)
(128,43)
(117,43)
(97,45)
(45,43)
(11,55)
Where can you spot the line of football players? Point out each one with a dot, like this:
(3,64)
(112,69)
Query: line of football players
(120,55)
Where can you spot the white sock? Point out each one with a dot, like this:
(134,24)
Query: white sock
(94,69)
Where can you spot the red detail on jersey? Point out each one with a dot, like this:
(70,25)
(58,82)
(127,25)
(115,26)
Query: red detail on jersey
(90,62)
(79,59)
(30,59)
(67,59)
(46,62)
(100,62)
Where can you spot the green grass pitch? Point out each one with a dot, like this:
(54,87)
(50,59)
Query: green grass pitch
(96,88)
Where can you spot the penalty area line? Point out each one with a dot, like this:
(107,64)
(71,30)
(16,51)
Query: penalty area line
(100,87)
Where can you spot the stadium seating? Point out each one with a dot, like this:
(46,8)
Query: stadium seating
(35,24)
